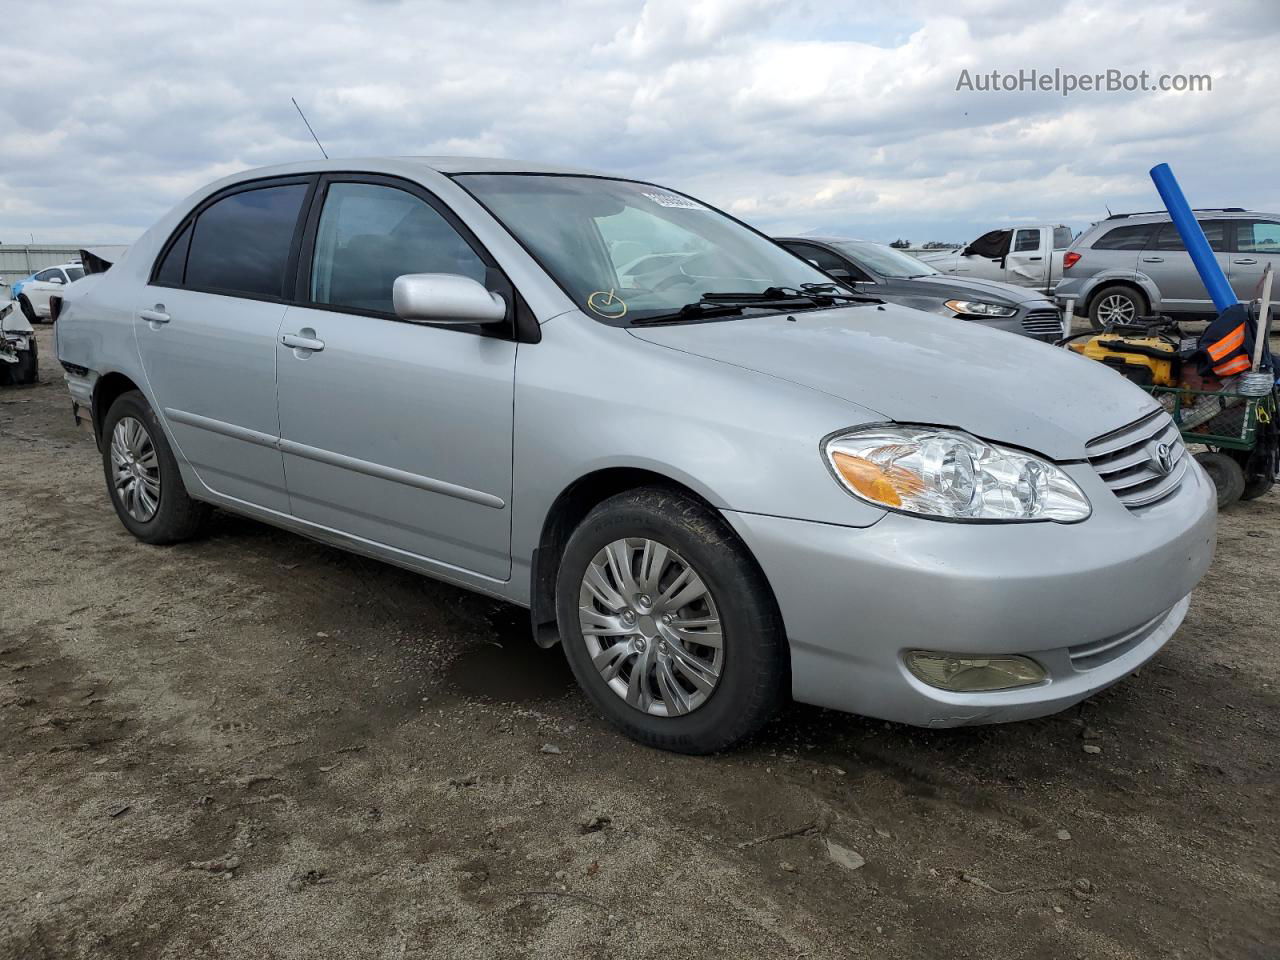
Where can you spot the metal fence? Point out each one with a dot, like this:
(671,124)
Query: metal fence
(22,260)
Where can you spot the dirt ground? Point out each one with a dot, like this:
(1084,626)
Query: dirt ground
(257,746)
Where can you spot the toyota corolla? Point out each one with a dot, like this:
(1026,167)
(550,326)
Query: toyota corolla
(713,476)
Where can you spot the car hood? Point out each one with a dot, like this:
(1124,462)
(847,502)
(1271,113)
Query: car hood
(11,318)
(914,367)
(994,291)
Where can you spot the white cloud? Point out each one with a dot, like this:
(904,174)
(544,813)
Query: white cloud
(795,115)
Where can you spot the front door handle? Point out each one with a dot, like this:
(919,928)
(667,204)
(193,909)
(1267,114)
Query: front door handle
(1153,259)
(1245,260)
(155,316)
(299,341)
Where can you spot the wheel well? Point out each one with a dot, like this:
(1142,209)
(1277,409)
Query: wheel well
(105,392)
(1135,287)
(569,510)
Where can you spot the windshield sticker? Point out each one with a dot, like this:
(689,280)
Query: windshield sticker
(607,304)
(671,200)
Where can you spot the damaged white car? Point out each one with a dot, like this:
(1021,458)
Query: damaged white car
(19,358)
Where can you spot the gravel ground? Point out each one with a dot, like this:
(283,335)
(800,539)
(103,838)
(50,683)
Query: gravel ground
(257,746)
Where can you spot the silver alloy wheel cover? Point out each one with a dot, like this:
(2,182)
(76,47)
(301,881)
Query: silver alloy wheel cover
(135,469)
(651,627)
(1117,307)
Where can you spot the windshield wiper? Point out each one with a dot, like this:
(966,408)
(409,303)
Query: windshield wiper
(784,298)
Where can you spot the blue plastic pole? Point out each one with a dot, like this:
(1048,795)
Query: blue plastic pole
(1215,281)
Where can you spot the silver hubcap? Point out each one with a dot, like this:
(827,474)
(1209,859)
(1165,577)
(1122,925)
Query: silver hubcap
(135,469)
(651,627)
(1116,309)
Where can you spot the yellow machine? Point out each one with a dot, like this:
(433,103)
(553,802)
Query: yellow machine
(1142,354)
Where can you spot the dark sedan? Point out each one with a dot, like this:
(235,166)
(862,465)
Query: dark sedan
(896,277)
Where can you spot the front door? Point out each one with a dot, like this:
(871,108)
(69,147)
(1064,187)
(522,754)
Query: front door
(395,433)
(1257,244)
(207,330)
(985,257)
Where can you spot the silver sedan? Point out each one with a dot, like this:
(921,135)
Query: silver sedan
(716,478)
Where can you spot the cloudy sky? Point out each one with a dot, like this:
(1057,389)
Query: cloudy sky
(798,115)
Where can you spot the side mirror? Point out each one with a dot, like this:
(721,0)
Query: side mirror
(445,298)
(57,280)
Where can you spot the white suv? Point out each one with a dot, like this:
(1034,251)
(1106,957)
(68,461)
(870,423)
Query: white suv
(33,295)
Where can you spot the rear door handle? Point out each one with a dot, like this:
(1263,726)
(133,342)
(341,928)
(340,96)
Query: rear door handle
(1153,259)
(1245,260)
(299,342)
(154,316)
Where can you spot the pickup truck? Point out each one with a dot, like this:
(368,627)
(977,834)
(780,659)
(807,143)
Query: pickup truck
(1030,256)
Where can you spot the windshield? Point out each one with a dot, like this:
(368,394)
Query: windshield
(889,263)
(628,251)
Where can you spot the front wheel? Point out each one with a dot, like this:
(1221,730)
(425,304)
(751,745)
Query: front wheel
(142,475)
(668,623)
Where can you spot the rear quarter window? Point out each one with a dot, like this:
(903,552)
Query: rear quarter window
(1130,237)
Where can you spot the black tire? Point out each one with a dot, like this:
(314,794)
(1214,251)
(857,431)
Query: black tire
(1257,467)
(28,368)
(1099,301)
(754,673)
(1226,474)
(177,516)
(28,311)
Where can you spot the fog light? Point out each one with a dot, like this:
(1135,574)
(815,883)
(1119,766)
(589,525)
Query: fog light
(947,671)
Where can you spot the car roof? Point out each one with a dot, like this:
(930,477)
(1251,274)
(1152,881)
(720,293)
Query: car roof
(1202,213)
(445,165)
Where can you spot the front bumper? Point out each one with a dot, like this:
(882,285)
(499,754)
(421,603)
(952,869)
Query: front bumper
(1091,602)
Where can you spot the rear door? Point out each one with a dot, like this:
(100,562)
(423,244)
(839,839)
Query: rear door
(207,331)
(396,433)
(1257,244)
(1028,261)
(1166,261)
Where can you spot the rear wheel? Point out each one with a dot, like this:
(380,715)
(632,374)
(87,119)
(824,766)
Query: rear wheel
(142,475)
(1115,304)
(1226,474)
(669,625)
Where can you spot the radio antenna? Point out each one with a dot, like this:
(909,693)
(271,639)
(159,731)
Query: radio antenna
(309,130)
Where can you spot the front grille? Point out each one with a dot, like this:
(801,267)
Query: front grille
(1129,461)
(1095,653)
(1040,323)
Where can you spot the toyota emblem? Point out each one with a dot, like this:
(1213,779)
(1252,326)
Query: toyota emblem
(1163,458)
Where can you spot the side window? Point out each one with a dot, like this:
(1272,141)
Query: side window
(1168,238)
(44,276)
(1132,237)
(827,261)
(240,244)
(1062,238)
(171,269)
(1026,240)
(370,234)
(1259,236)
(74,274)
(994,244)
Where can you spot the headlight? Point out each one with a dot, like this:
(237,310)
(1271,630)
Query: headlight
(979,308)
(950,475)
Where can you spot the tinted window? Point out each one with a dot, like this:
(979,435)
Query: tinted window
(1168,238)
(826,260)
(240,245)
(1025,240)
(1132,237)
(369,235)
(175,261)
(1061,238)
(74,273)
(44,276)
(1259,236)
